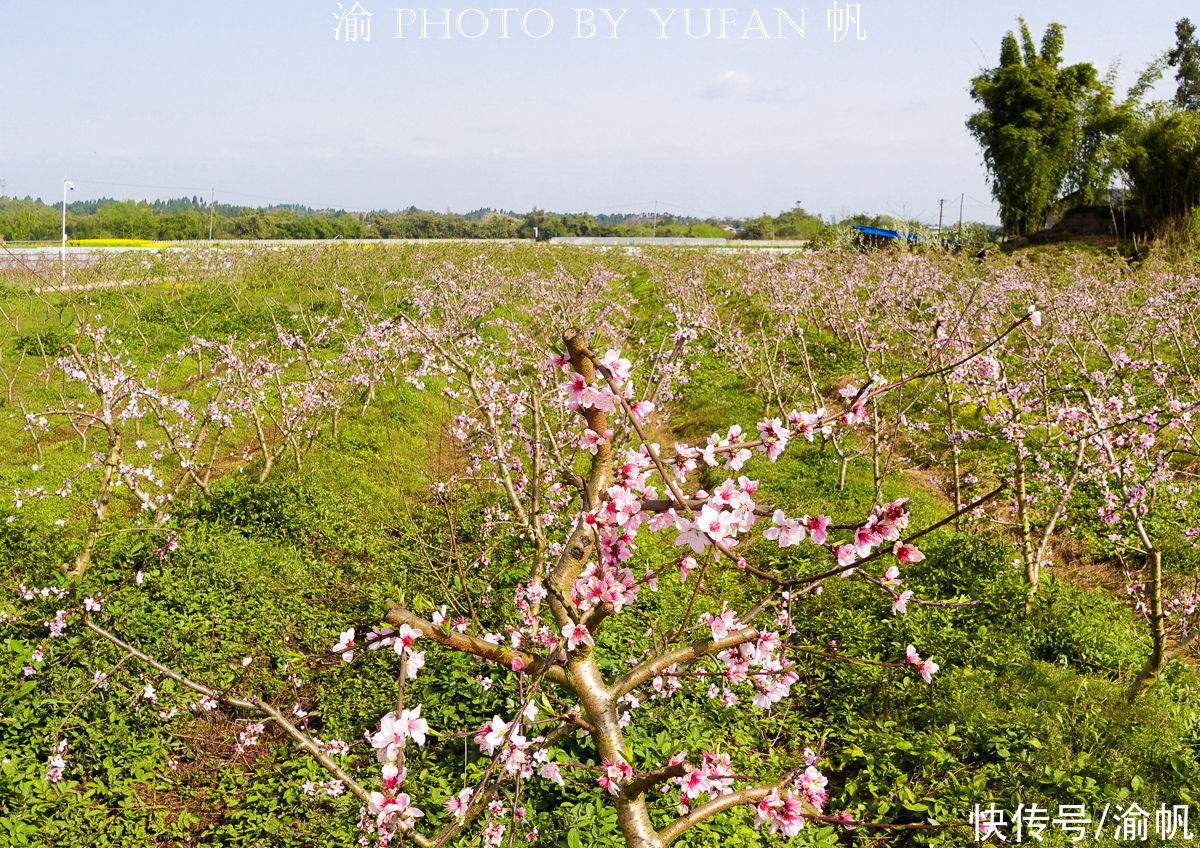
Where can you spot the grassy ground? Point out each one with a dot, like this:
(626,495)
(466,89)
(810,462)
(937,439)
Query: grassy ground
(1030,706)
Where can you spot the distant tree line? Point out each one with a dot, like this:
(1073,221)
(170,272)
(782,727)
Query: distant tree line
(183,219)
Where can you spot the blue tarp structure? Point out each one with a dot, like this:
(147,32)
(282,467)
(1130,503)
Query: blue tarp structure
(912,238)
(887,234)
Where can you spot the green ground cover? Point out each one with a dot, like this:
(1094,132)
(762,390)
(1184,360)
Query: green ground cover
(1031,705)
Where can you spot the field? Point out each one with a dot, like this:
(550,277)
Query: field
(687,534)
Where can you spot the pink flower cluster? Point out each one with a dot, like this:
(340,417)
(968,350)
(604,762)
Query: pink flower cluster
(712,777)
(927,668)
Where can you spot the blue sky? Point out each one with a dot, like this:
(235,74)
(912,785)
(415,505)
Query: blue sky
(258,99)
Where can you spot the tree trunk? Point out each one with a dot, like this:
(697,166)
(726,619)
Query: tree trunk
(601,711)
(111,462)
(1158,632)
(1032,574)
(955,464)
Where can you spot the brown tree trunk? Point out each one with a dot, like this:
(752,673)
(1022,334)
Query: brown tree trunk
(111,462)
(1032,572)
(1158,632)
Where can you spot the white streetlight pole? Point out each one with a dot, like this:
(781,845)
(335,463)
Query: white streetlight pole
(71,186)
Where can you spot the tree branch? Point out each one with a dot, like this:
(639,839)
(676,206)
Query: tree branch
(648,668)
(749,795)
(650,779)
(498,654)
(250,703)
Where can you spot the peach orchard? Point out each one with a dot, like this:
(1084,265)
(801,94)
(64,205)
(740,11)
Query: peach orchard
(563,391)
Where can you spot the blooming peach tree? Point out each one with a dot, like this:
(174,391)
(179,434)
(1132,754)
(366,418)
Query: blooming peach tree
(618,489)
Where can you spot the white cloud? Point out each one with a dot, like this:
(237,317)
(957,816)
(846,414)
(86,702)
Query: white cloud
(730,84)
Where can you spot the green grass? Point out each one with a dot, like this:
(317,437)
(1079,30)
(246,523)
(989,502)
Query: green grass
(1029,706)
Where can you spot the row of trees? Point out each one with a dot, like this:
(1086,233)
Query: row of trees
(32,220)
(191,219)
(1055,136)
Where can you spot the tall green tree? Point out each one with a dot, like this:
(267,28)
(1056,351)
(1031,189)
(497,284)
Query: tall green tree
(1184,57)
(1038,123)
(1164,166)
(541,225)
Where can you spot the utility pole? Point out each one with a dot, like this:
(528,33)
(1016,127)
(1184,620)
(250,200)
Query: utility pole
(961,197)
(654,223)
(941,203)
(66,186)
(212,199)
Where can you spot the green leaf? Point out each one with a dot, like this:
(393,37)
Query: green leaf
(25,689)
